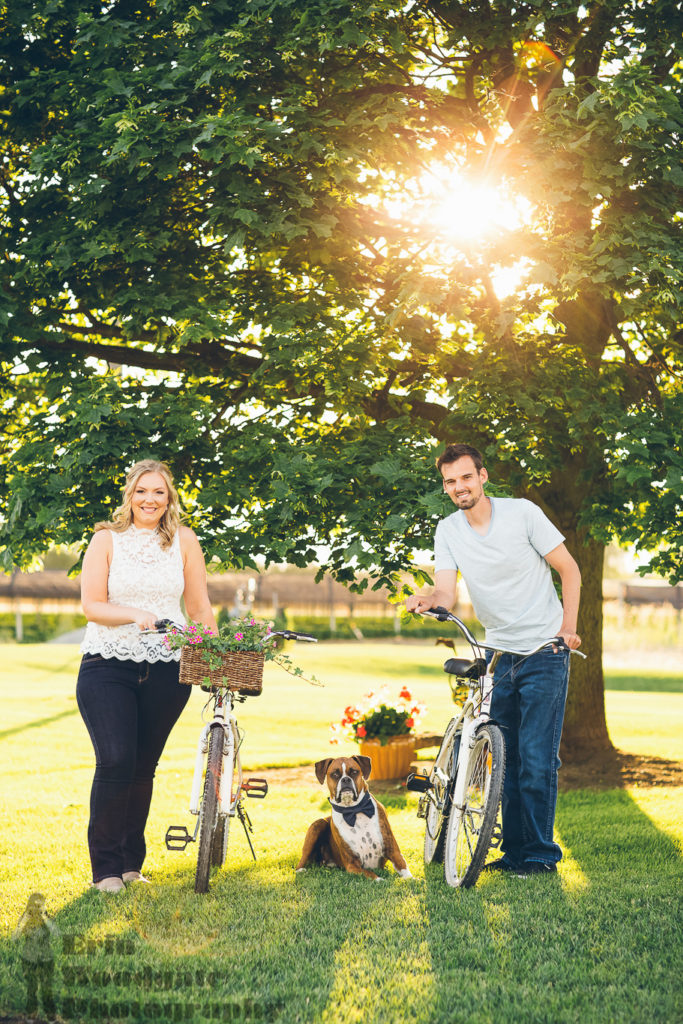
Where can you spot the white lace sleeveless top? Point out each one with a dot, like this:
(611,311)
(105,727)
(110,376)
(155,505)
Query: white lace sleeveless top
(141,575)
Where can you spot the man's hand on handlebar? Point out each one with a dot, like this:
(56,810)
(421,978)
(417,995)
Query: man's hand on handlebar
(417,604)
(572,640)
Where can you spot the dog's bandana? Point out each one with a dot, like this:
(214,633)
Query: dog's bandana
(366,806)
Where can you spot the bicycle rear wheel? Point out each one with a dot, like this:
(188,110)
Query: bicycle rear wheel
(208,811)
(470,827)
(439,799)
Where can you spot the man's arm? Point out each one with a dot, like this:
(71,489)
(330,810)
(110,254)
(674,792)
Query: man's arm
(570,577)
(443,595)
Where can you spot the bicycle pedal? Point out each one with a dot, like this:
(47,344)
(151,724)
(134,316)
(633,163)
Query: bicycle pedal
(418,782)
(177,837)
(257,789)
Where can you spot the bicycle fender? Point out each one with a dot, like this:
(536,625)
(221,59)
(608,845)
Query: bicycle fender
(489,721)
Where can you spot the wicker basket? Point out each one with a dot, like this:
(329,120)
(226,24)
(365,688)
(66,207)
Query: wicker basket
(241,671)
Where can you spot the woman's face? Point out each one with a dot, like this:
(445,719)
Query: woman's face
(150,501)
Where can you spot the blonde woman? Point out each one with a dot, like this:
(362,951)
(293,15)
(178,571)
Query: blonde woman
(136,569)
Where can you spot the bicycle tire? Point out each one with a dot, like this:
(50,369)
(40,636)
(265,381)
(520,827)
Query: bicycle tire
(469,831)
(208,810)
(219,846)
(435,833)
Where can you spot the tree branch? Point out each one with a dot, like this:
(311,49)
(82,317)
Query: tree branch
(212,357)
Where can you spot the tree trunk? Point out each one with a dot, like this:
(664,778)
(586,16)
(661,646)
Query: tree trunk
(585,727)
(584,735)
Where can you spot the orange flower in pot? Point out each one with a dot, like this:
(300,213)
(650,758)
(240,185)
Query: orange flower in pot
(384,730)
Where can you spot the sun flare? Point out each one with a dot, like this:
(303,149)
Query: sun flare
(457,206)
(453,212)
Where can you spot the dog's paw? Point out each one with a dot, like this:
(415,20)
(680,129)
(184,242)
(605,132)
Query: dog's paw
(378,879)
(299,870)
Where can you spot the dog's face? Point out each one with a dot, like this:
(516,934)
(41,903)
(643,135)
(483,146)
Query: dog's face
(345,776)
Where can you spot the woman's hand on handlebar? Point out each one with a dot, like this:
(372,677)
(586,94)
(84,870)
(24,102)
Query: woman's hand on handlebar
(145,620)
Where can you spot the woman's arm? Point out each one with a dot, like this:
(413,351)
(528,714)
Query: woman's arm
(94,578)
(196,595)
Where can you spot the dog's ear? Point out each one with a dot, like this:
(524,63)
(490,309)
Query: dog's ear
(365,764)
(321,769)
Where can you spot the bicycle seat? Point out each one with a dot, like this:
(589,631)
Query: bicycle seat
(464,668)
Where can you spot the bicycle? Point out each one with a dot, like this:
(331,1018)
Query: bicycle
(464,788)
(218,784)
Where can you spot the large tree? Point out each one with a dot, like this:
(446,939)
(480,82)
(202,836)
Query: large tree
(220,248)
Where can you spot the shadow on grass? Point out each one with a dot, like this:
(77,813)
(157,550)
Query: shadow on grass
(641,682)
(598,941)
(264,944)
(37,723)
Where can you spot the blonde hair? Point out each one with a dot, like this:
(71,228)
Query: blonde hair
(122,517)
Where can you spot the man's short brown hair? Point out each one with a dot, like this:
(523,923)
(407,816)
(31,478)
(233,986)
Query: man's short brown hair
(453,452)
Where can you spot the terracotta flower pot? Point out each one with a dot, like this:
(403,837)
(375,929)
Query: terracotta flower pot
(391,761)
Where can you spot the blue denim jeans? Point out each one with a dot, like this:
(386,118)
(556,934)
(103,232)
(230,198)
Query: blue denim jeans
(528,702)
(129,709)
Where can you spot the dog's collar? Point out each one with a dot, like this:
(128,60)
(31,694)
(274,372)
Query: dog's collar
(365,806)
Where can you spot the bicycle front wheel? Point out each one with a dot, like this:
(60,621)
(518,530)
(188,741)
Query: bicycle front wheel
(438,800)
(470,826)
(208,811)
(219,846)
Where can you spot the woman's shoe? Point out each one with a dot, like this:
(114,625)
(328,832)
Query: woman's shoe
(134,876)
(110,884)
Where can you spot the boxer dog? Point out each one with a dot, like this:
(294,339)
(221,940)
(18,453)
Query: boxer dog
(357,837)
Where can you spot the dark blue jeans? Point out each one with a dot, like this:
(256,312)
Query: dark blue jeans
(528,702)
(129,709)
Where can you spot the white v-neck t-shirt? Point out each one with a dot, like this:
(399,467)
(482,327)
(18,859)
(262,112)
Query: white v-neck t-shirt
(507,577)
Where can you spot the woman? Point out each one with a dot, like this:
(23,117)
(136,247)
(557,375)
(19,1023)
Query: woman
(136,569)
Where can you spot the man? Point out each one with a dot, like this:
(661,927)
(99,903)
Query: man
(505,548)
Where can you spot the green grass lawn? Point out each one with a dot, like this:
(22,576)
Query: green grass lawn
(599,942)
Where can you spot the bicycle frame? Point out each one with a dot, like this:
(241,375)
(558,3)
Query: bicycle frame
(467,722)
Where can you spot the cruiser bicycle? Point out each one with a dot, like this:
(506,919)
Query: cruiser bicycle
(218,784)
(460,797)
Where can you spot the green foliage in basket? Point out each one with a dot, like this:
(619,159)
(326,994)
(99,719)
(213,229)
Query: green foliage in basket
(236,636)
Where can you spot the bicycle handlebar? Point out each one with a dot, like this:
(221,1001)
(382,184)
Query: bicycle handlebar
(163,626)
(443,615)
(290,634)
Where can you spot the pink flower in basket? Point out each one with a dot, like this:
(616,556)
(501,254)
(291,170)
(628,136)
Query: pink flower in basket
(236,636)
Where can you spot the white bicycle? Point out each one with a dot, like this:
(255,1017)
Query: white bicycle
(218,785)
(461,795)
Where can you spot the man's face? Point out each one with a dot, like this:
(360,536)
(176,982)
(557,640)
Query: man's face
(463,483)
